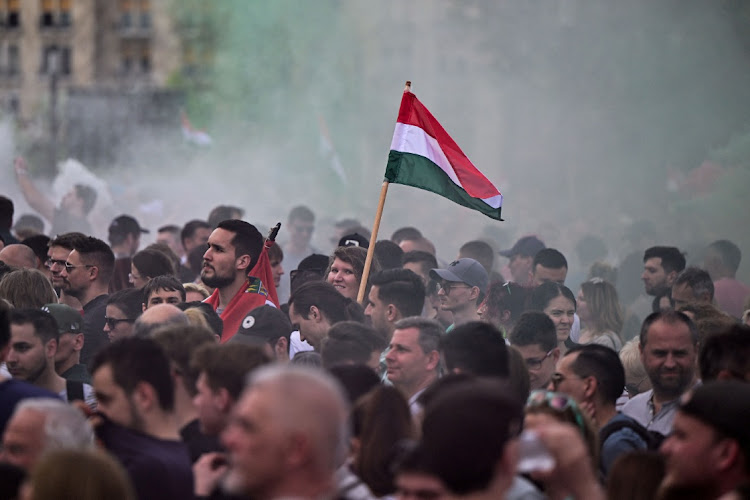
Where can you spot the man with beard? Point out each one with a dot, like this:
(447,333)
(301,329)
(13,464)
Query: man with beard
(88,269)
(31,358)
(669,348)
(661,265)
(708,451)
(135,390)
(233,249)
(57,254)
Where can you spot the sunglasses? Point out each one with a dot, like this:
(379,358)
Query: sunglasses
(113,322)
(69,267)
(556,401)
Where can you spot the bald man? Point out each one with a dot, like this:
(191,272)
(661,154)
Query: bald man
(18,255)
(158,316)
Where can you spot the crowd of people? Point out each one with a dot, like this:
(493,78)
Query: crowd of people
(218,363)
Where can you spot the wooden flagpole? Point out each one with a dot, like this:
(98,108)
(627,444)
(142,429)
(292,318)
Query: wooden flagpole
(374,237)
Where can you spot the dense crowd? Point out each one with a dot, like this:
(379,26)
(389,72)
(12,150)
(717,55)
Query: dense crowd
(218,363)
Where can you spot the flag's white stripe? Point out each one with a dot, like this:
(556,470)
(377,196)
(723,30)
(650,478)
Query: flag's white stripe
(414,140)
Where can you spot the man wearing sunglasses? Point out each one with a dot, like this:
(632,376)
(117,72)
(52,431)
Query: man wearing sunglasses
(86,276)
(57,254)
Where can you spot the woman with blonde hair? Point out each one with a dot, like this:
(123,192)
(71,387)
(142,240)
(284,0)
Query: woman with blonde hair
(27,288)
(600,313)
(78,475)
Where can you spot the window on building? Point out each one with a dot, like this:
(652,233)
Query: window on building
(145,58)
(144,11)
(55,13)
(66,61)
(14,58)
(126,13)
(13,19)
(66,17)
(47,18)
(135,57)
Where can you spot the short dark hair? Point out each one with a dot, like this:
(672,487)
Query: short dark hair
(189,229)
(430,331)
(6,212)
(477,348)
(301,212)
(508,296)
(227,365)
(334,306)
(388,254)
(464,433)
(39,244)
(730,254)
(402,288)
(534,327)
(356,379)
(729,350)
(134,360)
(67,240)
(604,365)
(128,300)
(96,252)
(88,195)
(223,212)
(170,228)
(247,240)
(152,263)
(698,280)
(542,295)
(166,282)
(550,258)
(671,258)
(212,318)
(275,253)
(669,317)
(45,326)
(179,343)
(479,250)
(427,260)
(405,233)
(350,342)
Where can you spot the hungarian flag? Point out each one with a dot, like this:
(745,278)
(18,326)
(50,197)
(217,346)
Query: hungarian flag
(424,156)
(261,275)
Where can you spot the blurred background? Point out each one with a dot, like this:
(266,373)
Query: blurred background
(588,115)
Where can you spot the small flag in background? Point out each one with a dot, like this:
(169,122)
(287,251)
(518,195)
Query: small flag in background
(191,135)
(424,156)
(328,151)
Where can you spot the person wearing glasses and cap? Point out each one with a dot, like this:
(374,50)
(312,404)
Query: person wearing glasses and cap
(69,344)
(463,285)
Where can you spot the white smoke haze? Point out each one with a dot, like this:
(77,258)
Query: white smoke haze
(574,109)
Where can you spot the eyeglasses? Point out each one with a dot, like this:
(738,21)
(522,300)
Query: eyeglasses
(50,263)
(447,286)
(556,401)
(113,322)
(536,363)
(69,267)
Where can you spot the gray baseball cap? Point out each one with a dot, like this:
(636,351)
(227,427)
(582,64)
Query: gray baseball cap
(463,270)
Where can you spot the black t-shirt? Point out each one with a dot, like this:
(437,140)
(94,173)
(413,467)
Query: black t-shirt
(94,338)
(197,442)
(159,469)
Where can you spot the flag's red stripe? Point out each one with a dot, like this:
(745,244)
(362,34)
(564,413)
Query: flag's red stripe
(413,112)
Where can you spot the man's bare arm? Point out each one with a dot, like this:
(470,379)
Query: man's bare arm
(34,197)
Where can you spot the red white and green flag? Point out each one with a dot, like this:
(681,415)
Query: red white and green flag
(424,156)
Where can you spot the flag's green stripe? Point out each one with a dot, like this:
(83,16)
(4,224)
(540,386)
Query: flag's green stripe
(417,171)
